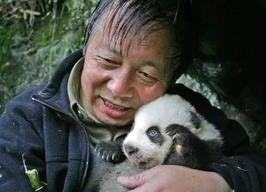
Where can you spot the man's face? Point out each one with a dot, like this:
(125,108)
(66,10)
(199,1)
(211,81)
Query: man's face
(116,81)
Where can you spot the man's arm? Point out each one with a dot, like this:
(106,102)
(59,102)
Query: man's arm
(20,140)
(244,172)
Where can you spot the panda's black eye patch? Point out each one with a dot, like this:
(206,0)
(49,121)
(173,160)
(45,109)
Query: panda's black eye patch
(152,132)
(195,119)
(154,135)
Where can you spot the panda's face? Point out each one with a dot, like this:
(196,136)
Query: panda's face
(147,147)
(148,144)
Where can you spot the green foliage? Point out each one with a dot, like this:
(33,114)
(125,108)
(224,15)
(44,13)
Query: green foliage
(26,11)
(261,145)
(6,41)
(32,48)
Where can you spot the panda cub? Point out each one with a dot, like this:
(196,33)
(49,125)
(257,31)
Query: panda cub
(166,131)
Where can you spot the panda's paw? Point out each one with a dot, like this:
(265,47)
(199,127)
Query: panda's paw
(180,134)
(175,129)
(110,151)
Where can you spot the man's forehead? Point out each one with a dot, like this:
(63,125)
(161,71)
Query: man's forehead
(114,39)
(120,44)
(117,26)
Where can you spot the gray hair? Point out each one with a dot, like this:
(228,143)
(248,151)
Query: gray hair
(147,16)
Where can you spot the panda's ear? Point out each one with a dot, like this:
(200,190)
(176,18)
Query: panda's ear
(195,119)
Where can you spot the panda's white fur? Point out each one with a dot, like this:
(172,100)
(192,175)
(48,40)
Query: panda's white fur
(163,112)
(166,110)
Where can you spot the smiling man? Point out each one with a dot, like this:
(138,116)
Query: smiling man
(134,52)
(116,82)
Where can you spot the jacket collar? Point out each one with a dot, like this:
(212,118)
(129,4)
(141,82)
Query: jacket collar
(54,94)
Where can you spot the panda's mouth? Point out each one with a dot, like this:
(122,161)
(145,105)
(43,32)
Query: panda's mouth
(142,161)
(145,164)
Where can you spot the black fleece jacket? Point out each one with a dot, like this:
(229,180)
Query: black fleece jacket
(39,124)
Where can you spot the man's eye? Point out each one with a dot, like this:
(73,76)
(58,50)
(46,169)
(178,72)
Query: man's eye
(106,61)
(146,77)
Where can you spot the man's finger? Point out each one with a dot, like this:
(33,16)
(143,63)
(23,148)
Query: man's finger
(133,181)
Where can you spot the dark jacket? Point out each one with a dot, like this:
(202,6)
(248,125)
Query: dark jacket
(39,124)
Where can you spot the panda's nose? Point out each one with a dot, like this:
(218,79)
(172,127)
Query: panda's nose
(130,150)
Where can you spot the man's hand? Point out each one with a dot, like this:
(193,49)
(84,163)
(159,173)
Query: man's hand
(172,178)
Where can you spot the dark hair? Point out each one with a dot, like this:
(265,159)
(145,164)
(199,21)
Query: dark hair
(150,15)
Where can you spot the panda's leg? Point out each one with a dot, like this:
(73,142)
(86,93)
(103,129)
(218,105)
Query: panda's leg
(111,151)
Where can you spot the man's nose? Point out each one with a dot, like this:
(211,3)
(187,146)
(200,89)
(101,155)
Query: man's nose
(120,84)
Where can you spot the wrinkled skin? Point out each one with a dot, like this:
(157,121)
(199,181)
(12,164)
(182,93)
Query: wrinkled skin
(173,178)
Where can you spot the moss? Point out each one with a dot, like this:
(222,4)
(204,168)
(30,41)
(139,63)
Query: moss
(8,36)
(261,145)
(30,54)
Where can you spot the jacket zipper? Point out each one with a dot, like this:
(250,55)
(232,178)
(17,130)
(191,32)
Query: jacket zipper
(82,183)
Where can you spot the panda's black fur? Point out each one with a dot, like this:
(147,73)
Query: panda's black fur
(166,131)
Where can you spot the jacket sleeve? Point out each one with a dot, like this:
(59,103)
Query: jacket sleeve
(243,168)
(244,173)
(20,134)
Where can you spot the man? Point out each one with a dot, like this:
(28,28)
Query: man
(134,52)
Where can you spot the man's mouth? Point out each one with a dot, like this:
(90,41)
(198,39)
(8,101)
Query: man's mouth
(114,106)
